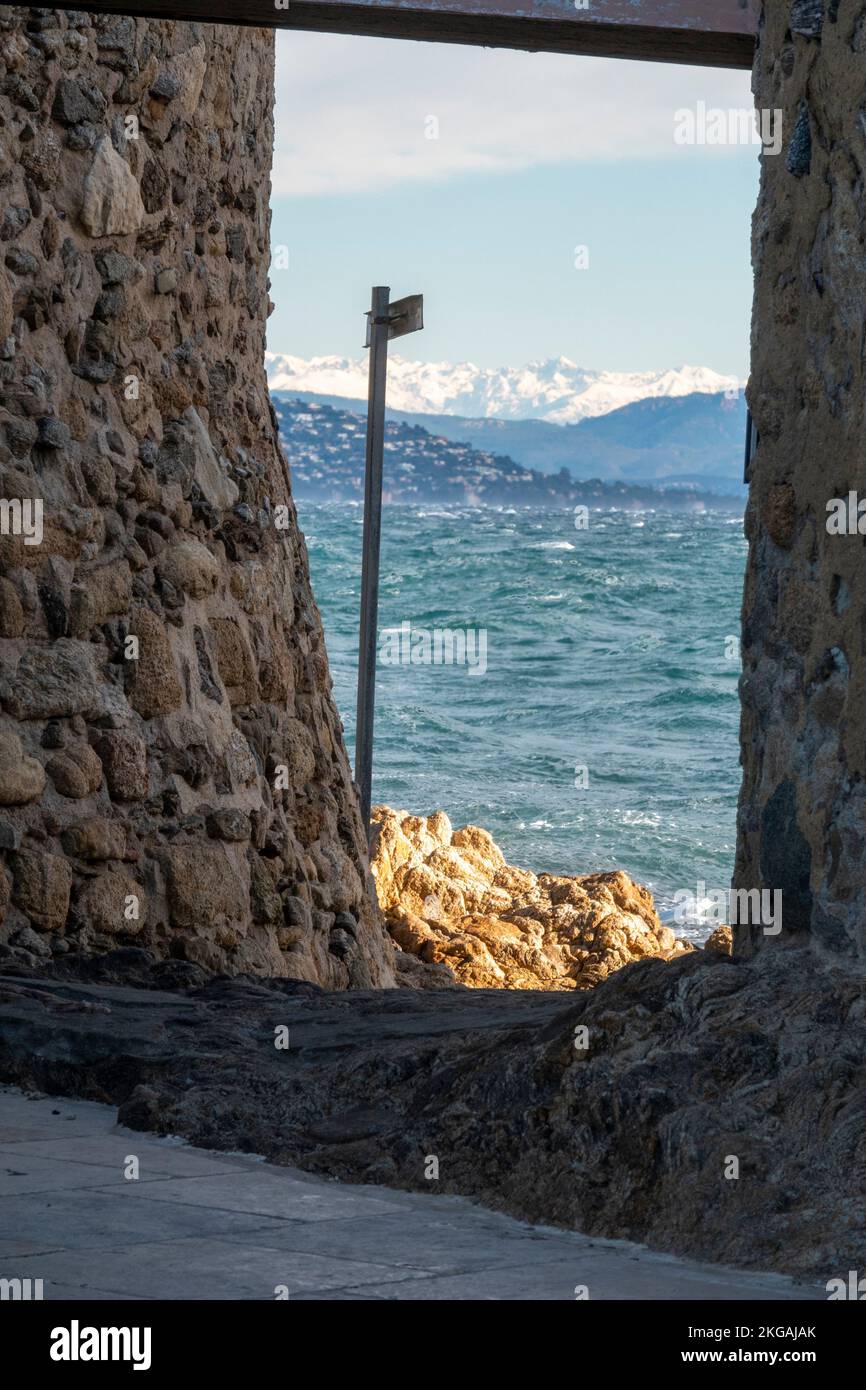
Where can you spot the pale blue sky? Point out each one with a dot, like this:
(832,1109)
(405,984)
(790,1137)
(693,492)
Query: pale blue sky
(536,154)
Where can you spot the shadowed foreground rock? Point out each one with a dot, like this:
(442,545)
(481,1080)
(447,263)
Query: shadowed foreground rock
(451,900)
(687,1064)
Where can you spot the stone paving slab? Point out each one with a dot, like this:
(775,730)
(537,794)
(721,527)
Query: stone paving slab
(110,1152)
(235,1227)
(25,1114)
(209,1268)
(22,1175)
(451,1245)
(268,1191)
(93,1220)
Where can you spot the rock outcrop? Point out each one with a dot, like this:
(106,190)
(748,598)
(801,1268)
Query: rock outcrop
(450,899)
(721,941)
(172,770)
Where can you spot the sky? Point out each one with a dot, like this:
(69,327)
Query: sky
(540,202)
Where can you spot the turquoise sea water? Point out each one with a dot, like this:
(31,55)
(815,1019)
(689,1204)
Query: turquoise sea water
(610,649)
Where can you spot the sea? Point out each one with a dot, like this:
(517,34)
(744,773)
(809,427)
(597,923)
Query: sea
(593,722)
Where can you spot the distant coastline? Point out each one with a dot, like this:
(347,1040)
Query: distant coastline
(324,445)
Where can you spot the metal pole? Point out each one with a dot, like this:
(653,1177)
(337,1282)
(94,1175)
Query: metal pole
(372,536)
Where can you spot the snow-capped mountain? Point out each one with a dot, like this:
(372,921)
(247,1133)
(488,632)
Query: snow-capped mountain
(557,390)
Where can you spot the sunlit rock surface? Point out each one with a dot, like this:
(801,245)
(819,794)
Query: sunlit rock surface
(450,899)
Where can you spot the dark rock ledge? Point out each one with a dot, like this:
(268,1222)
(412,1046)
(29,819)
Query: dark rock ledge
(688,1063)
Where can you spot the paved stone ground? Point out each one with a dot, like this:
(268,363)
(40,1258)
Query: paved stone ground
(202,1225)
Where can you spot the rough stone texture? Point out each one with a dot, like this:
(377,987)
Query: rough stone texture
(450,899)
(111,202)
(686,1064)
(802,818)
(40,889)
(134,187)
(76,772)
(21,778)
(721,941)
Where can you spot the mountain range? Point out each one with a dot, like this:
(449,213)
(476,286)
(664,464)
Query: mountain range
(556,391)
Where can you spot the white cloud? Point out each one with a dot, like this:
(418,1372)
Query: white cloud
(351,113)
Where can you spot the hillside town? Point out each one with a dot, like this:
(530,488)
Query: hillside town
(325,450)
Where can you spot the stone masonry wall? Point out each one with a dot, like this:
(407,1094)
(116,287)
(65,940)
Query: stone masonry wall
(803,805)
(172,772)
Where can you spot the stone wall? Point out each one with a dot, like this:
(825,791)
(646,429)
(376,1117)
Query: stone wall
(802,818)
(172,772)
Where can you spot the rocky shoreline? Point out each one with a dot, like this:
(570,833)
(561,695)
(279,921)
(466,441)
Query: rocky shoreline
(452,903)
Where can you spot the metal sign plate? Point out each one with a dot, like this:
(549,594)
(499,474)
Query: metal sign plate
(404,316)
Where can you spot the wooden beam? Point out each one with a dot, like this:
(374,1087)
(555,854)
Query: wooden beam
(712,33)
